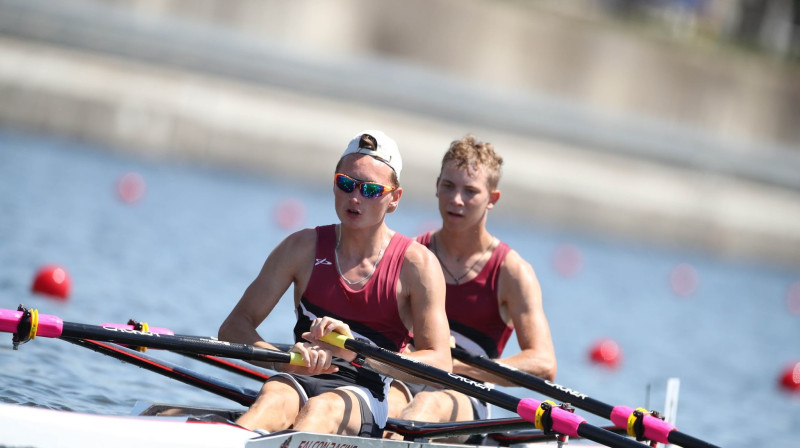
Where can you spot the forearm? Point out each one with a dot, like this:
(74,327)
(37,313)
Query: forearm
(239,330)
(542,366)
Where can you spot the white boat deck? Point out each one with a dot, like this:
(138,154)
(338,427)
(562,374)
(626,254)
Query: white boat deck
(32,427)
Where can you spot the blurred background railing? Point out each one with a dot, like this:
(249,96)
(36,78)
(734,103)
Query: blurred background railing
(674,122)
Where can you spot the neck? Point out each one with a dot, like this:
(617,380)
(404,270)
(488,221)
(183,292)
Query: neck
(364,242)
(357,260)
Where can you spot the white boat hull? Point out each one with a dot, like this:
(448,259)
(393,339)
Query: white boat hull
(32,427)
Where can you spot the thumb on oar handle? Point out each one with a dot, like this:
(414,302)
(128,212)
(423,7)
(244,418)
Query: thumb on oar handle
(335,339)
(296,359)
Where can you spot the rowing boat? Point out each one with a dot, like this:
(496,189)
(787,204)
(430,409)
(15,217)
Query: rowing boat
(152,426)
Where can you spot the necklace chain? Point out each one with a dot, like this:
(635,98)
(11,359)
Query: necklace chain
(458,279)
(339,269)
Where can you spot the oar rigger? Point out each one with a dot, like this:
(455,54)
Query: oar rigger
(139,326)
(642,424)
(27,326)
(636,426)
(544,419)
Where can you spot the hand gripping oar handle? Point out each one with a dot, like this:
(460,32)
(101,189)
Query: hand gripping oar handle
(544,415)
(638,423)
(54,327)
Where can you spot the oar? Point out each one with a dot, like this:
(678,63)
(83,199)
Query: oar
(28,324)
(246,397)
(638,423)
(546,416)
(240,395)
(249,370)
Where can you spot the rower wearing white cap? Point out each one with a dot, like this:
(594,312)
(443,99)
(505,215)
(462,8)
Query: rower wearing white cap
(359,278)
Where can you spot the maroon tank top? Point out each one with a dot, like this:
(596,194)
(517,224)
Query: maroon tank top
(473,310)
(371,312)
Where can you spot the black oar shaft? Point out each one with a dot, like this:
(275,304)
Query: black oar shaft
(685,440)
(246,396)
(564,394)
(520,378)
(464,385)
(240,395)
(191,344)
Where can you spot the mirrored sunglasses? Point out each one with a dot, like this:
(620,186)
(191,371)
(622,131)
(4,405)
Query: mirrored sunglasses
(367,189)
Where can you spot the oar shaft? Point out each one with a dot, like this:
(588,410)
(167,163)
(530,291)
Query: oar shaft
(191,344)
(51,326)
(520,378)
(654,428)
(240,395)
(685,440)
(564,422)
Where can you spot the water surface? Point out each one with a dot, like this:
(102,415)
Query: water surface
(182,256)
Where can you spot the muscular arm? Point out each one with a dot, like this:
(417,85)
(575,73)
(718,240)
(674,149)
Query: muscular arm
(283,267)
(421,299)
(423,293)
(521,300)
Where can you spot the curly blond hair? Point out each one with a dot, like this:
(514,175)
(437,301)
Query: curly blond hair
(473,154)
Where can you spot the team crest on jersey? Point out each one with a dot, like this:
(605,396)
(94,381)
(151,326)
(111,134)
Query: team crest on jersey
(322,261)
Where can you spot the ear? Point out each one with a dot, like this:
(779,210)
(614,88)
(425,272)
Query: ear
(438,179)
(396,195)
(494,196)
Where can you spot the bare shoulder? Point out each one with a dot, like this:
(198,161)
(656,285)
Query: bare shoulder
(516,266)
(517,279)
(302,238)
(419,257)
(420,271)
(299,246)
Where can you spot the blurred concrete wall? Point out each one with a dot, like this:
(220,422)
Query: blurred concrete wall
(539,47)
(638,138)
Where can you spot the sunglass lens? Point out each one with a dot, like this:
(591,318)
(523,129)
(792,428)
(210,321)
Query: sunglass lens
(371,190)
(345,183)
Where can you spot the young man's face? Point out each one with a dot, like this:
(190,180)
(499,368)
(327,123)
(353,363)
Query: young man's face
(464,195)
(352,207)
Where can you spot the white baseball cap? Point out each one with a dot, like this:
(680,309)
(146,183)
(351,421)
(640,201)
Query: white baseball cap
(386,149)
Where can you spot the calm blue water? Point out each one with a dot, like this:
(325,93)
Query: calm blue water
(182,256)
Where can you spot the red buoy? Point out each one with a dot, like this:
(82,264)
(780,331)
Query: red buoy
(790,380)
(683,280)
(130,187)
(290,214)
(568,260)
(606,352)
(52,280)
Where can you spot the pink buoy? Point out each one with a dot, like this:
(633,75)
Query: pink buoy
(290,214)
(606,352)
(683,280)
(568,260)
(53,281)
(130,187)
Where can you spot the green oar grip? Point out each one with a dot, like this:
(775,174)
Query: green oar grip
(336,339)
(296,359)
